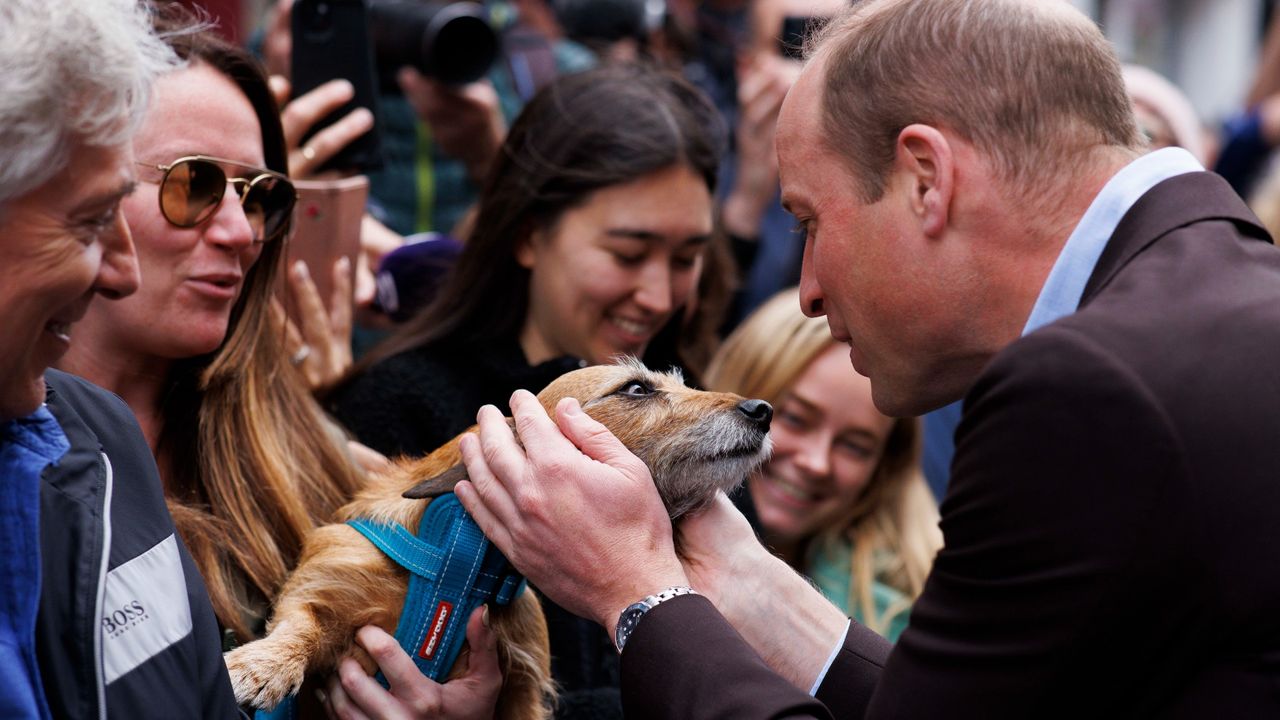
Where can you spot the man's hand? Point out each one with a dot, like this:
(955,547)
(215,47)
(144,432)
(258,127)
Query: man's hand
(717,548)
(573,509)
(789,623)
(466,122)
(353,695)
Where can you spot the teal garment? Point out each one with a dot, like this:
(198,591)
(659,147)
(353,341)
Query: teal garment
(420,189)
(829,566)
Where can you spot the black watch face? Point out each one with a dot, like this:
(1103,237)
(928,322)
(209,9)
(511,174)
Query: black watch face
(627,622)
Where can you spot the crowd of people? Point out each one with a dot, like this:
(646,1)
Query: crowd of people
(1017,345)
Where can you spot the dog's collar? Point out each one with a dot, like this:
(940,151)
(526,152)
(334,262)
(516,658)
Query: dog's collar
(453,569)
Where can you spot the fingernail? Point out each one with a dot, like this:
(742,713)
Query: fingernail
(347,88)
(300,268)
(362,117)
(572,407)
(344,264)
(484,617)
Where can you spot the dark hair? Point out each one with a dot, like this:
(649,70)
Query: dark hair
(581,133)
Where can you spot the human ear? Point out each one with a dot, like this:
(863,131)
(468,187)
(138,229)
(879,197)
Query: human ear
(925,155)
(524,251)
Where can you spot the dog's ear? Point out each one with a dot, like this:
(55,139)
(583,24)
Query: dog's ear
(438,485)
(445,481)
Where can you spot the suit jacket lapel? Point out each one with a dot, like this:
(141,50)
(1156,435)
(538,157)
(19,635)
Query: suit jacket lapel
(1174,203)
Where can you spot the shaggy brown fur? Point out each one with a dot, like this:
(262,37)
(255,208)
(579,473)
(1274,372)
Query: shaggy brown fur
(694,443)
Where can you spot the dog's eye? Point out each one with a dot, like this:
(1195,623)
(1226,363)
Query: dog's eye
(635,388)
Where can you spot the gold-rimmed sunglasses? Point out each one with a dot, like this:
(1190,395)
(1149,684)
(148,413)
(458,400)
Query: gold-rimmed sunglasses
(193,187)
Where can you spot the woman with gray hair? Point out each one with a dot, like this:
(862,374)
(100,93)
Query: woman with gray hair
(104,611)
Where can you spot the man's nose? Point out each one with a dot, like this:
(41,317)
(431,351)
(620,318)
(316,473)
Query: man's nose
(811,303)
(118,274)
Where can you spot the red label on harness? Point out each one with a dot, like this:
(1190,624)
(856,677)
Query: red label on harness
(439,622)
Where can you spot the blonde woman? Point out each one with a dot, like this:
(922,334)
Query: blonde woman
(842,499)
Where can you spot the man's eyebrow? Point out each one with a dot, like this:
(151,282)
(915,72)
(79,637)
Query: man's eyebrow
(106,198)
(649,236)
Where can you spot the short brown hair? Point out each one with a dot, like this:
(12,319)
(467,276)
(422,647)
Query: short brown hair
(1024,82)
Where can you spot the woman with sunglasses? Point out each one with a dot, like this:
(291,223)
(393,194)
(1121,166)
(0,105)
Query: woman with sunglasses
(248,461)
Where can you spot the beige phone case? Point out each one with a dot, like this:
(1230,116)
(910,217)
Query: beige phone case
(326,227)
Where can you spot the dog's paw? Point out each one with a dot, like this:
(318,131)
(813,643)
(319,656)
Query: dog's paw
(262,676)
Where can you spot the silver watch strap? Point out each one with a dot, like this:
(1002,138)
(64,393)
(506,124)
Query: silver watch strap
(630,617)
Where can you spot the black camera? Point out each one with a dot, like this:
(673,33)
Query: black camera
(452,42)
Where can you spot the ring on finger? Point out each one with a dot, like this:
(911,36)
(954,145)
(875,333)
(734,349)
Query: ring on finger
(303,353)
(308,152)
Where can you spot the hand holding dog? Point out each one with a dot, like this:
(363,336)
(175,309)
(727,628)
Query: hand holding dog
(573,510)
(776,610)
(354,695)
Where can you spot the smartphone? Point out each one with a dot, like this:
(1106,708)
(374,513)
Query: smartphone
(326,224)
(795,30)
(330,41)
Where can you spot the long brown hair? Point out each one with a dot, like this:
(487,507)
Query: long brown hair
(252,462)
(893,525)
(581,133)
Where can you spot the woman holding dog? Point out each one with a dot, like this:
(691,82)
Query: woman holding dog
(249,463)
(590,234)
(842,499)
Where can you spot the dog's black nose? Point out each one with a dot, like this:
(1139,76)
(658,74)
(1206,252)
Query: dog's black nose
(757,411)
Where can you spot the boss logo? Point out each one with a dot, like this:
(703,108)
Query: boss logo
(116,622)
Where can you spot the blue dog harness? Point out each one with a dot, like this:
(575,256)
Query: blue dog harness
(453,569)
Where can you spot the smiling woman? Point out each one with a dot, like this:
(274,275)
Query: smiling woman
(248,460)
(843,499)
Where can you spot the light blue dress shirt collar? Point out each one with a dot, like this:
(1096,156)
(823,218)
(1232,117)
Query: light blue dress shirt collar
(1064,288)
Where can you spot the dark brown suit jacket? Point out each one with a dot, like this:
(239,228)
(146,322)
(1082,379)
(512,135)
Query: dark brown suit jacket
(1113,523)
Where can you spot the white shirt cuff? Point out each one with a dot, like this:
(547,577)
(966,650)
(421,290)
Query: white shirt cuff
(813,691)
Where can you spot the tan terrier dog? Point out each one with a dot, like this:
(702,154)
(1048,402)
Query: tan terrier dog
(695,443)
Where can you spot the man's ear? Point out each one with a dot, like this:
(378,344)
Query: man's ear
(926,156)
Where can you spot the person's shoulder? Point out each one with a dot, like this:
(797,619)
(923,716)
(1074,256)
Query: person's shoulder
(1061,357)
(77,390)
(398,376)
(97,407)
(1065,383)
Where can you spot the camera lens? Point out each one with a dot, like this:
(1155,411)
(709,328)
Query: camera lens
(451,42)
(318,19)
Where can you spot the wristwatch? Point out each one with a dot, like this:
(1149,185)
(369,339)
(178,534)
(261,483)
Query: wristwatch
(630,617)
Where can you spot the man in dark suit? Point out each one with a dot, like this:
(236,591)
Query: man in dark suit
(981,222)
